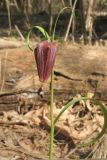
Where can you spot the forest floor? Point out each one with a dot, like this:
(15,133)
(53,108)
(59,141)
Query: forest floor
(24,113)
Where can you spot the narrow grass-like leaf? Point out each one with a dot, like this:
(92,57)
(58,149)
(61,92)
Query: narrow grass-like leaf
(97,103)
(69,104)
(61,11)
(28,40)
(42,30)
(104,128)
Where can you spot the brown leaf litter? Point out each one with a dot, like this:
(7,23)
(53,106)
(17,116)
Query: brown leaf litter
(26,136)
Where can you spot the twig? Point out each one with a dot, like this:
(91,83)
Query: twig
(63,3)
(14,123)
(19,32)
(3,80)
(70,21)
(15,3)
(89,20)
(8,11)
(13,92)
(50,15)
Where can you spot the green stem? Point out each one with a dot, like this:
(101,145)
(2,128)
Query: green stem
(54,30)
(52,118)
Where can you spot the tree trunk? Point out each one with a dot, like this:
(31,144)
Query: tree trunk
(81,5)
(89,20)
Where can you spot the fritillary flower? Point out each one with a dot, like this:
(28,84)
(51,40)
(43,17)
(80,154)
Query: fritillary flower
(45,54)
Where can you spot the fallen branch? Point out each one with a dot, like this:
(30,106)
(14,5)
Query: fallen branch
(6,43)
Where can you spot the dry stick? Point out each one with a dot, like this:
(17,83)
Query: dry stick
(51,15)
(70,2)
(73,29)
(15,3)
(29,8)
(3,80)
(8,11)
(99,14)
(26,15)
(91,154)
(81,4)
(63,3)
(19,32)
(89,20)
(73,23)
(70,21)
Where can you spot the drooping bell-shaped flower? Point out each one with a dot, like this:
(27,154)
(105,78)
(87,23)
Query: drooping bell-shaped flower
(45,54)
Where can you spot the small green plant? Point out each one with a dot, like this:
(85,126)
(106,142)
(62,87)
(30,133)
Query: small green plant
(45,54)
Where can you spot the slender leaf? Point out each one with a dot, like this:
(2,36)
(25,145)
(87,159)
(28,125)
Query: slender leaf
(69,104)
(41,29)
(98,104)
(104,128)
(61,11)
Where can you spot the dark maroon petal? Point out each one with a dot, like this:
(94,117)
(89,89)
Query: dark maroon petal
(45,54)
(51,54)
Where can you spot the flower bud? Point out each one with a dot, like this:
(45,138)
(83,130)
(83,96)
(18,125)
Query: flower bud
(45,54)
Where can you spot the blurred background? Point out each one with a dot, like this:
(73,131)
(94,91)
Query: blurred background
(86,21)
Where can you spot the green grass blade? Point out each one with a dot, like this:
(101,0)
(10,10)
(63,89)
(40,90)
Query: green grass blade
(69,104)
(98,104)
(41,29)
(28,40)
(61,11)
(104,128)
